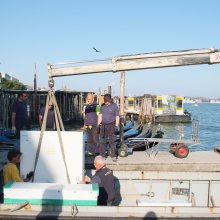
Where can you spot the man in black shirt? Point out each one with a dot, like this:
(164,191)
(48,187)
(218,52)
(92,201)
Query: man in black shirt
(91,112)
(19,119)
(105,179)
(50,124)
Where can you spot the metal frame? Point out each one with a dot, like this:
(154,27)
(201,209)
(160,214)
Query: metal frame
(152,151)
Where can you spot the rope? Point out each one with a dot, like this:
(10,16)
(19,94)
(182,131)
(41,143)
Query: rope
(43,127)
(59,126)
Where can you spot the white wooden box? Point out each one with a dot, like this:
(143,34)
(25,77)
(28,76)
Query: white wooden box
(50,165)
(51,193)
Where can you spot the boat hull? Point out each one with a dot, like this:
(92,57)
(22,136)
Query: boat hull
(162,186)
(173,118)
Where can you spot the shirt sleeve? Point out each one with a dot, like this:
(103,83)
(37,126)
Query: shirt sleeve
(14,107)
(96,179)
(41,111)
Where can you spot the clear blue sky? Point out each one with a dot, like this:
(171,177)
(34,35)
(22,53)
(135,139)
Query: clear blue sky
(50,31)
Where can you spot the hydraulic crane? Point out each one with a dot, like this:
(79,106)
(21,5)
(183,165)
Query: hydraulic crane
(133,62)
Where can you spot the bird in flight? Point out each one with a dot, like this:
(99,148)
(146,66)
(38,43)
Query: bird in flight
(98,51)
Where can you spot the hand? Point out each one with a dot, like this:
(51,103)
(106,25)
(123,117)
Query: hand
(13,129)
(30,175)
(87,179)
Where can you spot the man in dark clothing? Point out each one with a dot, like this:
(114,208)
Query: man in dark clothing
(109,117)
(105,180)
(19,118)
(50,124)
(91,124)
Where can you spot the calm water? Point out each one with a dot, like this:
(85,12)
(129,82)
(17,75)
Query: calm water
(209,126)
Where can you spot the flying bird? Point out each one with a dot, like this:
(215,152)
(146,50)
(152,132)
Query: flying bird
(97,51)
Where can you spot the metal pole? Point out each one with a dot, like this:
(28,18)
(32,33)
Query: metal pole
(35,95)
(122,91)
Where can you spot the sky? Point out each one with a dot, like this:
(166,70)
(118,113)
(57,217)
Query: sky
(52,31)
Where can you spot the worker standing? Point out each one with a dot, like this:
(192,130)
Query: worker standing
(91,112)
(19,118)
(109,120)
(50,124)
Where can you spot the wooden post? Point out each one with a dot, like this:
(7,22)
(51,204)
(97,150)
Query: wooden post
(110,90)
(35,110)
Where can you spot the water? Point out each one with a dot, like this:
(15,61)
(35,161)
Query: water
(209,127)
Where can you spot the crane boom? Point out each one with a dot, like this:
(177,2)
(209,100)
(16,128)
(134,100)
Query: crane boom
(137,62)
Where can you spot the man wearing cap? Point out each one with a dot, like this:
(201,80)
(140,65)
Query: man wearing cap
(109,120)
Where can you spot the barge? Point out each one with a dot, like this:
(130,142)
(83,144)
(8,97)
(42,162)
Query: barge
(162,187)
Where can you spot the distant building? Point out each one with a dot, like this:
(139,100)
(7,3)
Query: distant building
(215,101)
(8,77)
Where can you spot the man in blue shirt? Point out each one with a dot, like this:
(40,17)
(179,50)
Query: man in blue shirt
(109,117)
(19,118)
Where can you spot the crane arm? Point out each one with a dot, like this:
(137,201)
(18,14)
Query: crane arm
(138,62)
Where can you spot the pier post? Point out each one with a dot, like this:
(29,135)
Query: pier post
(123,151)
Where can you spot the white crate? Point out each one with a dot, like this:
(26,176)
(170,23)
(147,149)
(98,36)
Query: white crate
(51,193)
(50,165)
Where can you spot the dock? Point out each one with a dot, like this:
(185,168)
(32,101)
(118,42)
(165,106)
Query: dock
(203,161)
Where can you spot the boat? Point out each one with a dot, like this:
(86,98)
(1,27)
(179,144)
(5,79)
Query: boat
(131,133)
(128,125)
(6,143)
(160,109)
(8,133)
(169,108)
(160,187)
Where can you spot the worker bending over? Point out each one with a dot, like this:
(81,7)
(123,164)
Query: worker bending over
(105,180)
